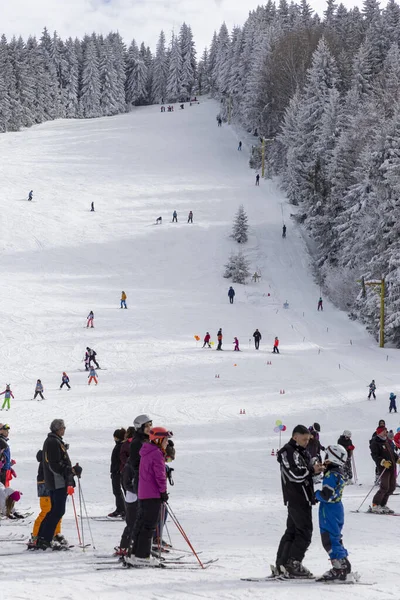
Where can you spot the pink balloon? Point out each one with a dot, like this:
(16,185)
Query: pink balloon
(283,427)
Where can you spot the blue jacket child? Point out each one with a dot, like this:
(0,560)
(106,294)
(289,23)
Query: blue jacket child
(392,405)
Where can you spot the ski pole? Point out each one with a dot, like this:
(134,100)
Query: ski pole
(76,520)
(183,533)
(81,515)
(86,514)
(353,462)
(377,481)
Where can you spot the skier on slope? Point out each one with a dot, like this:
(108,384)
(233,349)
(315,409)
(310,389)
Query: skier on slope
(207,338)
(87,360)
(372,388)
(331,514)
(30,195)
(92,376)
(65,381)
(7,472)
(284,231)
(219,338)
(152,493)
(38,390)
(92,207)
(174,217)
(123,300)
(90,319)
(392,402)
(257,337)
(275,349)
(115,474)
(320,307)
(297,473)
(236,343)
(190,217)
(346,442)
(8,498)
(240,146)
(257,179)
(7,395)
(384,454)
(231,294)
(92,357)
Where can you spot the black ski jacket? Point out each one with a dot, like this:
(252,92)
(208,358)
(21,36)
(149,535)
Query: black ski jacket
(115,458)
(296,475)
(134,457)
(257,335)
(57,468)
(382,449)
(347,444)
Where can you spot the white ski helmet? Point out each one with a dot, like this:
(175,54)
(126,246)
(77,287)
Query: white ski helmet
(336,454)
(140,421)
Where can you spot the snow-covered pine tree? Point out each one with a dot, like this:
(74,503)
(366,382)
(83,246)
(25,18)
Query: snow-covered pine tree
(50,81)
(71,80)
(136,76)
(230,266)
(188,53)
(90,89)
(240,226)
(240,271)
(174,72)
(108,81)
(160,70)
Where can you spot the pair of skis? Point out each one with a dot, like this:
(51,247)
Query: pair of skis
(351,579)
(177,564)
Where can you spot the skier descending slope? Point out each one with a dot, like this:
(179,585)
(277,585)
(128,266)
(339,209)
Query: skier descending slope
(331,513)
(372,388)
(298,495)
(7,395)
(90,319)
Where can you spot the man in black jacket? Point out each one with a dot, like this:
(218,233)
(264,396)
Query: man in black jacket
(298,495)
(58,475)
(257,338)
(385,457)
(115,472)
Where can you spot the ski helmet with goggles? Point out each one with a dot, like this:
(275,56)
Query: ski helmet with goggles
(336,454)
(140,421)
(159,433)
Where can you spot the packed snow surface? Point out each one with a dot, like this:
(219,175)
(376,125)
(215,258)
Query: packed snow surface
(59,261)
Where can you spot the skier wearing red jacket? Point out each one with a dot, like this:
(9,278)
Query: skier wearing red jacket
(207,338)
(275,349)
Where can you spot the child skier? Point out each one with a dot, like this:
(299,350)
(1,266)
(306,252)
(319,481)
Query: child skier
(372,388)
(65,381)
(8,498)
(236,342)
(92,376)
(90,319)
(207,338)
(392,405)
(30,195)
(174,217)
(87,360)
(275,349)
(123,300)
(7,394)
(190,217)
(346,442)
(38,390)
(219,338)
(92,357)
(331,514)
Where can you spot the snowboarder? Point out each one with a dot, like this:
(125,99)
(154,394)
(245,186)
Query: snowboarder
(65,381)
(275,349)
(231,294)
(384,455)
(284,231)
(331,514)
(372,388)
(346,442)
(392,405)
(298,495)
(257,337)
(92,357)
(30,195)
(320,307)
(240,146)
(258,179)
(152,493)
(123,300)
(207,338)
(92,376)
(174,217)
(159,221)
(190,217)
(38,390)
(119,435)
(7,395)
(219,338)
(58,476)
(236,342)
(90,320)
(92,207)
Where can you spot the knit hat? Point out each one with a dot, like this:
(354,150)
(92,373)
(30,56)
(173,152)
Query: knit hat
(15,496)
(317,427)
(347,433)
(380,430)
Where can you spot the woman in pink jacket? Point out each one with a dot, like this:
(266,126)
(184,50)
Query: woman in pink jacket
(152,493)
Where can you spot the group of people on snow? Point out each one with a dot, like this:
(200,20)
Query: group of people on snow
(256,335)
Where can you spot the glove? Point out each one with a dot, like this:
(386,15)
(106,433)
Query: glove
(77,470)
(70,490)
(13,462)
(386,463)
(164,496)
(13,473)
(351,447)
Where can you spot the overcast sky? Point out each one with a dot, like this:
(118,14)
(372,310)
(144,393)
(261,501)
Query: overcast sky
(139,19)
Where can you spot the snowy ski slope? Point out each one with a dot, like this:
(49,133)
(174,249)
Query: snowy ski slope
(58,261)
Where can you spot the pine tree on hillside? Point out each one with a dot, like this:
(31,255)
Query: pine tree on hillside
(108,81)
(160,70)
(71,80)
(188,54)
(53,106)
(230,266)
(174,73)
(240,226)
(90,91)
(136,76)
(240,272)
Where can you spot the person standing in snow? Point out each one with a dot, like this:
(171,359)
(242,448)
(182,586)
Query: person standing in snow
(314,446)
(298,495)
(7,395)
(65,381)
(392,402)
(346,442)
(331,514)
(284,231)
(38,390)
(236,342)
(159,221)
(123,300)
(275,349)
(92,376)
(257,179)
(6,464)
(92,207)
(190,217)
(207,338)
(320,307)
(119,435)
(92,357)
(90,319)
(240,146)
(30,195)
(219,338)
(174,217)
(384,454)
(372,388)
(8,498)
(231,294)
(257,337)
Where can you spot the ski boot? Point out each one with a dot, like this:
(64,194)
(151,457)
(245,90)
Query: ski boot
(134,561)
(386,510)
(341,568)
(294,569)
(40,544)
(120,552)
(60,539)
